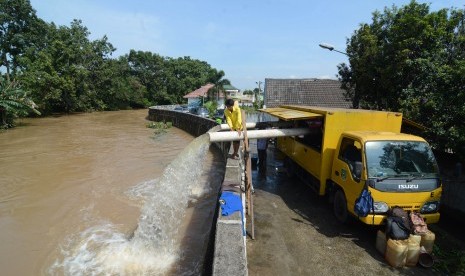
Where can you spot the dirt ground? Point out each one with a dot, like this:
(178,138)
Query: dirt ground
(296,233)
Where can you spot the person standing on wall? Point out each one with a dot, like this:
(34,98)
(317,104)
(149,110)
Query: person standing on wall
(234,120)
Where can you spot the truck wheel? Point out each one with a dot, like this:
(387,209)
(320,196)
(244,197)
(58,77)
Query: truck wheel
(340,206)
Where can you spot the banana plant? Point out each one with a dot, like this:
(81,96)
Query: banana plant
(14,103)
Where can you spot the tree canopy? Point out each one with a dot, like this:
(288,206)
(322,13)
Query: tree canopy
(411,59)
(65,71)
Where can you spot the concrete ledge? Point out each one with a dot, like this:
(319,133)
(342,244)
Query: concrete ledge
(230,255)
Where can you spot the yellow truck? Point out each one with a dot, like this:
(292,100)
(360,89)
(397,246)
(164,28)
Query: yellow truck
(349,149)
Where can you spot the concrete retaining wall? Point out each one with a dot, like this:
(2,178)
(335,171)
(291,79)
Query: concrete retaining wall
(227,250)
(190,123)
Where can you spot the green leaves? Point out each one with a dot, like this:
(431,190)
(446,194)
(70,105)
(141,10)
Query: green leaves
(166,79)
(65,71)
(412,60)
(14,102)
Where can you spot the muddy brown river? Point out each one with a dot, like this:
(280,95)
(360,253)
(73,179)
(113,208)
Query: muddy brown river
(98,193)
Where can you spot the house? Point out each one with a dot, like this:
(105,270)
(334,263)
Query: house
(317,92)
(231,91)
(197,97)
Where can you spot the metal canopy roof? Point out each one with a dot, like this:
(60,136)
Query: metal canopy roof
(290,114)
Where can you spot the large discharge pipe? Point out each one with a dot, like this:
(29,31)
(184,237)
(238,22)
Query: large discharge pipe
(228,136)
(252,125)
(247,125)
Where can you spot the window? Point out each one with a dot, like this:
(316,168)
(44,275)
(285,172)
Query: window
(350,153)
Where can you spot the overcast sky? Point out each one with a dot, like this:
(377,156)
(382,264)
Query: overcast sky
(248,40)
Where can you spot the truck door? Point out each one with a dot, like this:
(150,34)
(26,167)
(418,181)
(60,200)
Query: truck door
(348,168)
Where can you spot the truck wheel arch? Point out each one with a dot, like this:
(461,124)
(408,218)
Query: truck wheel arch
(330,190)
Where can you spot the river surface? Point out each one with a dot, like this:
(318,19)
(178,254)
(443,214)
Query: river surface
(98,193)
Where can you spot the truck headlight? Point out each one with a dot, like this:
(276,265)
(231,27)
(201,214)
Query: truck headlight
(430,207)
(380,207)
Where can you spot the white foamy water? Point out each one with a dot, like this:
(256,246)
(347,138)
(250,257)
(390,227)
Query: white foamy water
(154,247)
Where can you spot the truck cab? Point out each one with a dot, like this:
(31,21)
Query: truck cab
(398,169)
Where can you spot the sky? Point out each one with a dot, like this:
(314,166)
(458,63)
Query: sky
(248,40)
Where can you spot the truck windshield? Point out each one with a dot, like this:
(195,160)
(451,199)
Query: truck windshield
(400,159)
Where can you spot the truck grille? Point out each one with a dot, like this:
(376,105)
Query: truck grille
(408,207)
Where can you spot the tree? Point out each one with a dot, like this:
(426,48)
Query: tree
(186,74)
(167,79)
(412,60)
(14,102)
(19,30)
(217,78)
(69,74)
(211,106)
(64,71)
(257,103)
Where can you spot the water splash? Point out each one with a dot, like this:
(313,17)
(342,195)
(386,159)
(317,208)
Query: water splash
(154,246)
(162,214)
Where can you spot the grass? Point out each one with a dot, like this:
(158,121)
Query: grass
(159,127)
(449,262)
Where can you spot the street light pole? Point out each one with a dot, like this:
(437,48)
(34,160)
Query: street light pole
(331,48)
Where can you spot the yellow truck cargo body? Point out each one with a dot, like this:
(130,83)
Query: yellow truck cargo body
(335,121)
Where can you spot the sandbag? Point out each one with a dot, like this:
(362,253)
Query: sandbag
(397,224)
(417,224)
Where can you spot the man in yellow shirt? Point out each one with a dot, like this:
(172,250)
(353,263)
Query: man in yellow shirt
(234,120)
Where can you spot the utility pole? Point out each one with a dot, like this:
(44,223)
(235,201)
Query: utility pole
(259,92)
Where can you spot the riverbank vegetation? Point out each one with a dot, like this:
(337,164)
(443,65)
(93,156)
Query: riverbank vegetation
(63,70)
(159,127)
(14,102)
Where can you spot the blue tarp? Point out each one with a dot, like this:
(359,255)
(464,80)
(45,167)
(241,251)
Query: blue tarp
(230,203)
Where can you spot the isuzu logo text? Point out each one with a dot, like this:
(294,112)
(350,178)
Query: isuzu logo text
(408,186)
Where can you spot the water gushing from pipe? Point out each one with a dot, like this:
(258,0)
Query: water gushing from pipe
(154,246)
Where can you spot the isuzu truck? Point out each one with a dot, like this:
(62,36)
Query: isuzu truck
(347,150)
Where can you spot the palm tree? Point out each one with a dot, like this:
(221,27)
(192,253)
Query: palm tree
(14,102)
(219,82)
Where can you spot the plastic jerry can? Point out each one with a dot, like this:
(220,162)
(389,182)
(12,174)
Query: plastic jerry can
(427,241)
(413,253)
(381,242)
(396,252)
(415,238)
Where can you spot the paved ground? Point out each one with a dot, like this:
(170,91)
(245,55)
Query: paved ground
(297,234)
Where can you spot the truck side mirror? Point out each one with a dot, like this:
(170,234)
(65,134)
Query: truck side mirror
(371,182)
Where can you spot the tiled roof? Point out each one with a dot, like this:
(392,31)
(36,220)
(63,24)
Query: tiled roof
(201,92)
(314,92)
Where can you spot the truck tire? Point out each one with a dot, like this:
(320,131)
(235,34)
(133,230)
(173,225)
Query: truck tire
(340,206)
